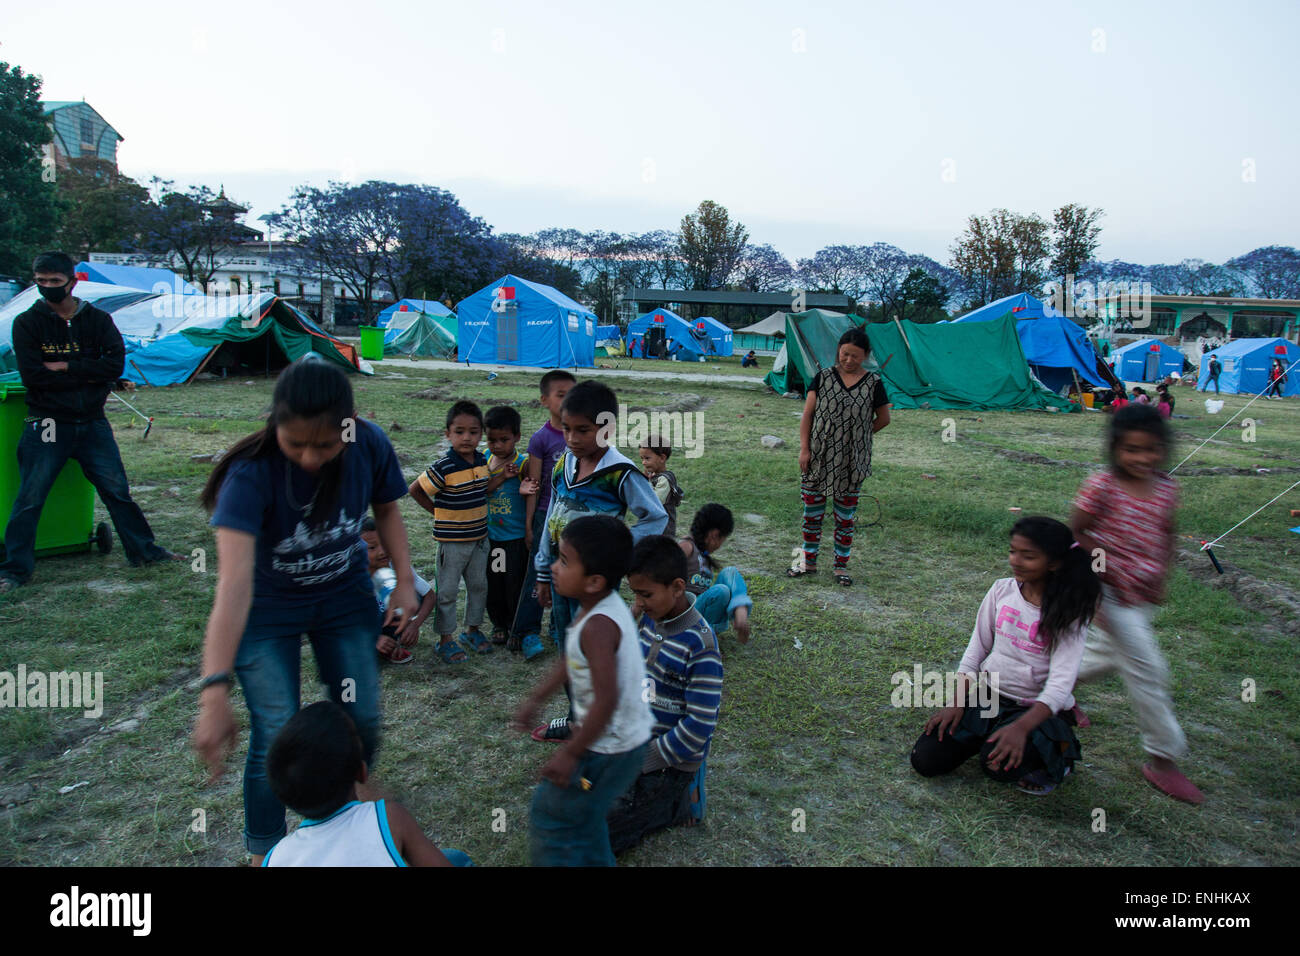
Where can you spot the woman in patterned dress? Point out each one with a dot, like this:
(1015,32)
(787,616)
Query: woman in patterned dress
(846,406)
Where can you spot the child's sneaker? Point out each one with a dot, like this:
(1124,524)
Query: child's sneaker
(532,646)
(556,732)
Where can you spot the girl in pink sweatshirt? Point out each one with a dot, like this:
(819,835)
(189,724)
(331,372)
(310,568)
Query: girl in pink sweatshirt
(1026,647)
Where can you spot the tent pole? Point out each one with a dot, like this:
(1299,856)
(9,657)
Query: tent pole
(910,354)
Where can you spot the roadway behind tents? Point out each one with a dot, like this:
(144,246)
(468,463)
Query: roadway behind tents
(1147,360)
(1246,363)
(517,322)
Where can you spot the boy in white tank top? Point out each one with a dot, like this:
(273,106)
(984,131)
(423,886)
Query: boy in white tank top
(611,716)
(314,766)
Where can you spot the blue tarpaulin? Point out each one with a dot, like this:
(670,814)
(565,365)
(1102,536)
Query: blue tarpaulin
(427,306)
(1246,363)
(1147,360)
(516,322)
(160,281)
(1053,344)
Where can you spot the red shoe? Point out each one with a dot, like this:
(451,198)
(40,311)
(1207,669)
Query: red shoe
(1080,718)
(1173,784)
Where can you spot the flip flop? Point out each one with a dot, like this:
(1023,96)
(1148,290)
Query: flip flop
(1172,783)
(799,572)
(1080,718)
(1037,783)
(400,655)
(843,579)
(499,637)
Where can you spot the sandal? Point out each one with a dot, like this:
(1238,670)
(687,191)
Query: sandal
(556,732)
(451,652)
(400,655)
(843,579)
(477,641)
(1037,783)
(799,572)
(499,637)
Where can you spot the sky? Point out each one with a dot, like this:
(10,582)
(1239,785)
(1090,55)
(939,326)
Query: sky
(814,123)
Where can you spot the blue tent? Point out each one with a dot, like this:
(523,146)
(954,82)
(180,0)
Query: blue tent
(684,341)
(1146,360)
(1246,363)
(427,306)
(1054,345)
(160,281)
(719,333)
(517,322)
(608,333)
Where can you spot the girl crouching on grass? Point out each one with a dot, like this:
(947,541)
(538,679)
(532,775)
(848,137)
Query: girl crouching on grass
(721,596)
(1029,637)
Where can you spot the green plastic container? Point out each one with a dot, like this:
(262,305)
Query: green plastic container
(67,521)
(372,343)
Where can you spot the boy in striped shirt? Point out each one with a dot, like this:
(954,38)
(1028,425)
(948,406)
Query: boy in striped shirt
(454,490)
(684,688)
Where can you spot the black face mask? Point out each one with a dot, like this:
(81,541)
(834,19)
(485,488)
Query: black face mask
(54,294)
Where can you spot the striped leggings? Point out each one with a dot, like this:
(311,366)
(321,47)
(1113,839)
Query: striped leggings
(814,510)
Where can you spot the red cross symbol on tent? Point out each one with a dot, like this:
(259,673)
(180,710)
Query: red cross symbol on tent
(504,292)
(659,319)
(1155,346)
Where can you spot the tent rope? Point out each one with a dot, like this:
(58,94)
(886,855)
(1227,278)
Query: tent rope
(1209,544)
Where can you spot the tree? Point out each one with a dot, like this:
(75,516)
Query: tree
(763,269)
(195,228)
(1001,254)
(922,297)
(1273,271)
(28,203)
(1074,239)
(710,245)
(103,210)
(884,270)
(834,269)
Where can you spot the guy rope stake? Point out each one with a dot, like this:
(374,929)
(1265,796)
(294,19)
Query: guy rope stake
(1207,546)
(148,420)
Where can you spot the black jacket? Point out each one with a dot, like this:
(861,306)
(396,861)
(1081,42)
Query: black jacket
(91,345)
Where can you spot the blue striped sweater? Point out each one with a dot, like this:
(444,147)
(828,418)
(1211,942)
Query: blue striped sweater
(687,689)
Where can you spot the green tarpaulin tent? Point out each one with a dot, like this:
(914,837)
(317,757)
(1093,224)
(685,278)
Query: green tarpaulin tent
(977,365)
(421,333)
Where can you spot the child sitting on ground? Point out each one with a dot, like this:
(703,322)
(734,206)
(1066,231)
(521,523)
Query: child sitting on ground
(654,465)
(506,505)
(1165,401)
(684,670)
(721,595)
(314,766)
(611,721)
(1029,637)
(395,640)
(454,490)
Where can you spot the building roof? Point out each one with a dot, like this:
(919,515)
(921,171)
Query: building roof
(1214,301)
(773,299)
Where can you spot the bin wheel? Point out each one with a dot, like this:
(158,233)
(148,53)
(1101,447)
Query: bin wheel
(104,537)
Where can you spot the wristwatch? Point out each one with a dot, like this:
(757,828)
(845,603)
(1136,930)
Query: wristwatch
(220,677)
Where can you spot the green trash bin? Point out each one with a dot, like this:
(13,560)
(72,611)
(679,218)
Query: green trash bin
(67,522)
(372,343)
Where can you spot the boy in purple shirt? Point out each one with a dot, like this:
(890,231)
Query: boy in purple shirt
(544,450)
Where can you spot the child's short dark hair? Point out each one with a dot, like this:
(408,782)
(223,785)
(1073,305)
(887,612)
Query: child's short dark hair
(367,524)
(659,558)
(656,444)
(603,543)
(55,261)
(553,376)
(464,408)
(503,416)
(315,760)
(1135,417)
(591,399)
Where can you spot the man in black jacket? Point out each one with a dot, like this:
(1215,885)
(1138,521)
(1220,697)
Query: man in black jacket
(69,355)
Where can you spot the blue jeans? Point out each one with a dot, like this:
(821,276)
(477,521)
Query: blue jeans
(39,463)
(342,633)
(567,825)
(718,603)
(528,616)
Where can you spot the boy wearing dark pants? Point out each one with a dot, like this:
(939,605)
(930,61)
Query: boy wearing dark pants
(544,450)
(592,478)
(611,720)
(684,683)
(507,544)
(454,490)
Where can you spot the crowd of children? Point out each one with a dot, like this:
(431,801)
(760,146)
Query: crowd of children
(522,532)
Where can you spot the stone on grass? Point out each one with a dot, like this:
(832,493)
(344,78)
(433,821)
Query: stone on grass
(771,441)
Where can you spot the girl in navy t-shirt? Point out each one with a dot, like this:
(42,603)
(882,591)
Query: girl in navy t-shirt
(288,503)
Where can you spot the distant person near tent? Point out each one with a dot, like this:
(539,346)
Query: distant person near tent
(845,407)
(1276,379)
(1212,375)
(69,354)
(288,504)
(750,360)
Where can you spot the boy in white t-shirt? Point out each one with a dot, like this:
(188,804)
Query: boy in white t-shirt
(314,766)
(611,721)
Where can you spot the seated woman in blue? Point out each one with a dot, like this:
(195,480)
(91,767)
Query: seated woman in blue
(721,596)
(288,503)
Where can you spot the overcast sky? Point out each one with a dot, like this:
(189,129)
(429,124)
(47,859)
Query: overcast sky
(813,122)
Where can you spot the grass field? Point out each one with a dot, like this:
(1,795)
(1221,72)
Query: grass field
(807,735)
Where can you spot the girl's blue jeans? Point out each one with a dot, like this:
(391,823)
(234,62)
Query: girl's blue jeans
(720,601)
(342,634)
